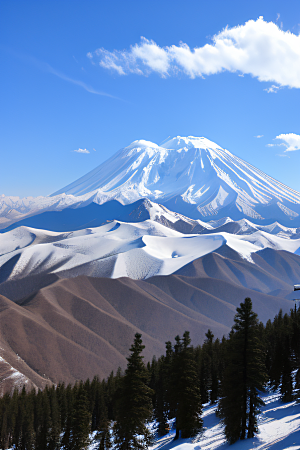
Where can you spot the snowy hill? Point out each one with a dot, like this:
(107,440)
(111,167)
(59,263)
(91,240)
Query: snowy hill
(136,250)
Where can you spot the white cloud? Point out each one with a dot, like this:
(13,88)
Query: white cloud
(291,141)
(109,60)
(270,145)
(258,48)
(273,89)
(81,150)
(259,136)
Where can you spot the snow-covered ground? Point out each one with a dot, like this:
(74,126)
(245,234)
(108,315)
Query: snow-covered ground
(279,429)
(134,250)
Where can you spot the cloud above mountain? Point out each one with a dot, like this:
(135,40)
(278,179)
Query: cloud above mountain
(81,150)
(258,48)
(291,141)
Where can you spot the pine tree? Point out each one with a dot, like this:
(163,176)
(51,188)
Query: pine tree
(158,380)
(134,407)
(12,417)
(281,358)
(54,437)
(244,375)
(295,344)
(4,432)
(189,410)
(67,395)
(183,393)
(209,370)
(81,420)
(43,422)
(110,389)
(28,434)
(216,370)
(62,404)
(170,381)
(100,421)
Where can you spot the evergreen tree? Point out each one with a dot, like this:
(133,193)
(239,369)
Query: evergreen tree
(4,431)
(244,375)
(110,389)
(204,369)
(216,370)
(54,436)
(189,408)
(23,433)
(182,391)
(62,404)
(280,355)
(295,344)
(100,421)
(12,409)
(81,421)
(134,408)
(67,395)
(158,381)
(209,368)
(170,381)
(43,422)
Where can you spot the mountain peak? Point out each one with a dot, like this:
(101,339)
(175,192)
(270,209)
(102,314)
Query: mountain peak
(188,142)
(192,176)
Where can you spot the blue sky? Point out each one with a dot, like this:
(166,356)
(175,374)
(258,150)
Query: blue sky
(97,75)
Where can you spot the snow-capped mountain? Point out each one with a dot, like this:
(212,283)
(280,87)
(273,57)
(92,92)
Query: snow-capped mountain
(192,176)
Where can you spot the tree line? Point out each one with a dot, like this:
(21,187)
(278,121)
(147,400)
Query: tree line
(230,373)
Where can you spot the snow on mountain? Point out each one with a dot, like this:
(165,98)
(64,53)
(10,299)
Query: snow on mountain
(136,250)
(192,176)
(13,209)
(64,215)
(10,377)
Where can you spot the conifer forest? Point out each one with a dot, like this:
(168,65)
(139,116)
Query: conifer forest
(230,373)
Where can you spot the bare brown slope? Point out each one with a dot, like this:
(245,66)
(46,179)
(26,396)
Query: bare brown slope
(270,270)
(78,327)
(85,326)
(14,371)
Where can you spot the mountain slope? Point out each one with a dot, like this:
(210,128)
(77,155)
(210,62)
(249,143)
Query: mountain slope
(78,327)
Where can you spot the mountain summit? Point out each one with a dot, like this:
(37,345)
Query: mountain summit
(192,176)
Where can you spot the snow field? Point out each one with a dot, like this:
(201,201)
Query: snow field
(279,429)
(117,249)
